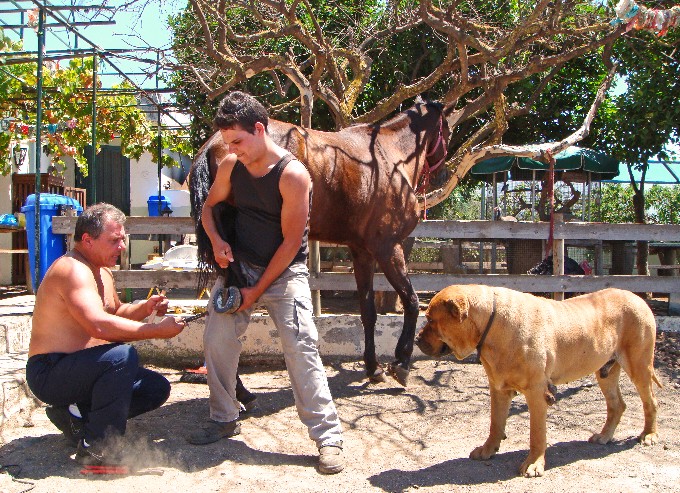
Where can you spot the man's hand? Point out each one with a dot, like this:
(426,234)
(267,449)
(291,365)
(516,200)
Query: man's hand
(169,327)
(248,297)
(222,253)
(157,303)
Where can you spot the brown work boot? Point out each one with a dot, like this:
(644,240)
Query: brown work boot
(213,431)
(330,459)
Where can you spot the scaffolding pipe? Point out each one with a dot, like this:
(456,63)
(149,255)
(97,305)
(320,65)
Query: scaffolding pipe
(38,147)
(93,168)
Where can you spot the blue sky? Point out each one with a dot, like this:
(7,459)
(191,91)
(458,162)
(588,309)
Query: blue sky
(143,25)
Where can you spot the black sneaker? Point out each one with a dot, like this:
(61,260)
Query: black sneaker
(91,455)
(67,423)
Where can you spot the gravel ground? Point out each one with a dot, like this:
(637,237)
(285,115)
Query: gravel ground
(396,440)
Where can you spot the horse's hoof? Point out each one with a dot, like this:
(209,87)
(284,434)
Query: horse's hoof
(399,373)
(378,376)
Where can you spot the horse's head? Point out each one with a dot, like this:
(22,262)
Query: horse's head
(434,128)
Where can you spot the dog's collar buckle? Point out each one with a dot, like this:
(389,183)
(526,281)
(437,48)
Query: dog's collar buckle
(486,330)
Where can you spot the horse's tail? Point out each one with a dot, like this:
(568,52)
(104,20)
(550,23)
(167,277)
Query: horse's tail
(199,186)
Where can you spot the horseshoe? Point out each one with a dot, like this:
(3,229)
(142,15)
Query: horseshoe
(227,300)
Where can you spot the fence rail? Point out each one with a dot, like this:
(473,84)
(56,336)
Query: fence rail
(458,230)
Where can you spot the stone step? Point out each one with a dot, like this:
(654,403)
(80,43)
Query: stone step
(17,403)
(16,400)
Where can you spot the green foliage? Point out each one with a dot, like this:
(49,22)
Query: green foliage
(464,203)
(662,204)
(67,100)
(617,204)
(645,117)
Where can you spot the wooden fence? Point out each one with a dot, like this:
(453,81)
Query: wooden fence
(447,230)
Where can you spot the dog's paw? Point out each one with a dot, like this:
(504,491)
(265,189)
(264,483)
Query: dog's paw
(532,468)
(600,438)
(648,438)
(483,452)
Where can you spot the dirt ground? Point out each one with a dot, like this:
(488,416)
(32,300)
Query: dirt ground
(396,440)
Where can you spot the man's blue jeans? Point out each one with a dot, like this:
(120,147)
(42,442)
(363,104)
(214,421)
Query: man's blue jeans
(106,382)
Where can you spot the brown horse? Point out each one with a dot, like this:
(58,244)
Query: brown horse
(365,179)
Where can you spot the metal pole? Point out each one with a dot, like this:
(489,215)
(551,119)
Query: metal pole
(93,168)
(160,151)
(482,215)
(38,146)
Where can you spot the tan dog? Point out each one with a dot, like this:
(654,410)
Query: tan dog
(529,344)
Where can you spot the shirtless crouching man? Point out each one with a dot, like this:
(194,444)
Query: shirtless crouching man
(77,360)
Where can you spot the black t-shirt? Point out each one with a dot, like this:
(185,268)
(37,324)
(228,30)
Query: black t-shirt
(258,221)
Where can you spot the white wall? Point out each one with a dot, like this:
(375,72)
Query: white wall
(143,184)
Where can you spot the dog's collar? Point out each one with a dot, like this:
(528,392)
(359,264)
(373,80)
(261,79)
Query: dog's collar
(486,330)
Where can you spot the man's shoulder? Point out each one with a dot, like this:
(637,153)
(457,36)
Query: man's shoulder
(295,167)
(226,165)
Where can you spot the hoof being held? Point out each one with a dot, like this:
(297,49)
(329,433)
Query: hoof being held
(399,373)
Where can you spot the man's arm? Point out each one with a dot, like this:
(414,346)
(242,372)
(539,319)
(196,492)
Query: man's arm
(294,186)
(138,311)
(82,299)
(219,191)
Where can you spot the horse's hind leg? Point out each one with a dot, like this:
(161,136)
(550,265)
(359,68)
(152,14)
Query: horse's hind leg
(393,265)
(364,268)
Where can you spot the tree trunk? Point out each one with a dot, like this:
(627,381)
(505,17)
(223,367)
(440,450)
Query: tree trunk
(642,246)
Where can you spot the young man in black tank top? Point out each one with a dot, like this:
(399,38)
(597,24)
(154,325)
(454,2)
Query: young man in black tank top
(272,193)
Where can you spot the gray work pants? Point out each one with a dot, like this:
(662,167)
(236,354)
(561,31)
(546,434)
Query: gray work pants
(288,301)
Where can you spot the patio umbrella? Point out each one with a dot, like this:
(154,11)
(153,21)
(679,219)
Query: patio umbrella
(573,158)
(505,163)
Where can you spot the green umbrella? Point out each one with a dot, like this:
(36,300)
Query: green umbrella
(586,159)
(505,163)
(572,158)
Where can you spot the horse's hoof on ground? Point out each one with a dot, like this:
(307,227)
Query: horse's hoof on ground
(399,373)
(378,376)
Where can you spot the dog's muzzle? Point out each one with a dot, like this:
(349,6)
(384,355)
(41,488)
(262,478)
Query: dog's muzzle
(427,348)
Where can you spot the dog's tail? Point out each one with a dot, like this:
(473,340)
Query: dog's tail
(656,380)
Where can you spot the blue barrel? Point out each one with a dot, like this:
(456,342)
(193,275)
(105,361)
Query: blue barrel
(153,204)
(52,246)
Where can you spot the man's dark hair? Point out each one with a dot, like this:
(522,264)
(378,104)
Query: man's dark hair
(239,108)
(93,219)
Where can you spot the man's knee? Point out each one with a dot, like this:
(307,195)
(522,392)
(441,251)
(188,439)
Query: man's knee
(162,393)
(123,356)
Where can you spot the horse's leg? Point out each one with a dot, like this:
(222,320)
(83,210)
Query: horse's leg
(393,264)
(364,268)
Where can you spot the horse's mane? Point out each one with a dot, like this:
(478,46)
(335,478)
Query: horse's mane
(199,186)
(405,117)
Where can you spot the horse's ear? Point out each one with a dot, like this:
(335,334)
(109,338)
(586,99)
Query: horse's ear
(459,307)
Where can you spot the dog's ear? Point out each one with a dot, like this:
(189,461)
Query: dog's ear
(458,306)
